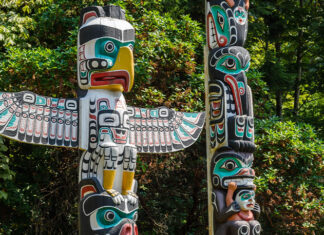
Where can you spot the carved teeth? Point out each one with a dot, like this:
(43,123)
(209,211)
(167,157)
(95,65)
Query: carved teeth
(240,181)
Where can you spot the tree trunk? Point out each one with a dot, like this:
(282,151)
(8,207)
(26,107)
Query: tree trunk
(299,68)
(279,91)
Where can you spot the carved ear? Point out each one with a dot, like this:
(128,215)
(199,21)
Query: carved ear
(90,13)
(89,186)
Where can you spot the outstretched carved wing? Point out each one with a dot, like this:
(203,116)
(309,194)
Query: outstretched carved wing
(162,129)
(30,118)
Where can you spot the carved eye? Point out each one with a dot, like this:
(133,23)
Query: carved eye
(229,165)
(230,64)
(109,47)
(109,216)
(220,19)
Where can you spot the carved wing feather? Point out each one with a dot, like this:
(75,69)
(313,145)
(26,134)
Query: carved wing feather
(163,130)
(30,118)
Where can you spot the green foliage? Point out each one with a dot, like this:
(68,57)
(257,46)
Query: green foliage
(38,185)
(289,168)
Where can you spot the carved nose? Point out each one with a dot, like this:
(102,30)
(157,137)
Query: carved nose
(246,171)
(127,229)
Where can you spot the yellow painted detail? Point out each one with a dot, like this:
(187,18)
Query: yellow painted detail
(128,177)
(124,61)
(108,179)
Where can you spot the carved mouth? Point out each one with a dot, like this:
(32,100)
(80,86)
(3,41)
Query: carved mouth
(246,181)
(110,78)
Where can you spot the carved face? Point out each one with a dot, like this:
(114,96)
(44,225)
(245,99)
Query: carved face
(226,23)
(100,215)
(232,167)
(229,65)
(105,52)
(245,199)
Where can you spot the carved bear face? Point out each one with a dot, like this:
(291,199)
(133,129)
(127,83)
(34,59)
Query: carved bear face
(100,215)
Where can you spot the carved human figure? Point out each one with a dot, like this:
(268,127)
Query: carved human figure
(99,122)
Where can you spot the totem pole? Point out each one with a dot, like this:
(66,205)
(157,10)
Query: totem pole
(230,130)
(101,124)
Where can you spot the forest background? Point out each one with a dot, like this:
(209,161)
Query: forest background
(38,185)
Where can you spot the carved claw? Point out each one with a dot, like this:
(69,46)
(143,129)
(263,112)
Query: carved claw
(131,197)
(116,196)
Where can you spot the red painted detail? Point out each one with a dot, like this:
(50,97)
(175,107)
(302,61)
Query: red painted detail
(126,230)
(210,16)
(93,116)
(87,189)
(109,78)
(236,93)
(246,171)
(135,229)
(88,16)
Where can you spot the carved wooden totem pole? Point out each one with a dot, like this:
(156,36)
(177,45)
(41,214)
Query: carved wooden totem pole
(230,130)
(101,124)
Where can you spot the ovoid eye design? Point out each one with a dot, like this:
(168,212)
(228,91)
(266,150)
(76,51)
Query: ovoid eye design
(220,19)
(109,216)
(230,64)
(229,165)
(109,47)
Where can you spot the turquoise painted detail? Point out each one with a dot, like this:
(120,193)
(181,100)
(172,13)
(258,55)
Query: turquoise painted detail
(222,170)
(188,124)
(241,87)
(221,22)
(61,106)
(54,100)
(103,46)
(183,131)
(40,100)
(154,113)
(143,111)
(116,216)
(1,103)
(212,133)
(12,121)
(83,74)
(247,195)
(190,115)
(238,133)
(229,64)
(4,113)
(103,107)
(106,133)
(176,137)
(248,134)
(220,131)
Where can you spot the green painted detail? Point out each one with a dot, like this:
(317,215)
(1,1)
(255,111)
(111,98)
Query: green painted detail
(116,216)
(40,100)
(154,113)
(12,121)
(235,68)
(221,22)
(103,45)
